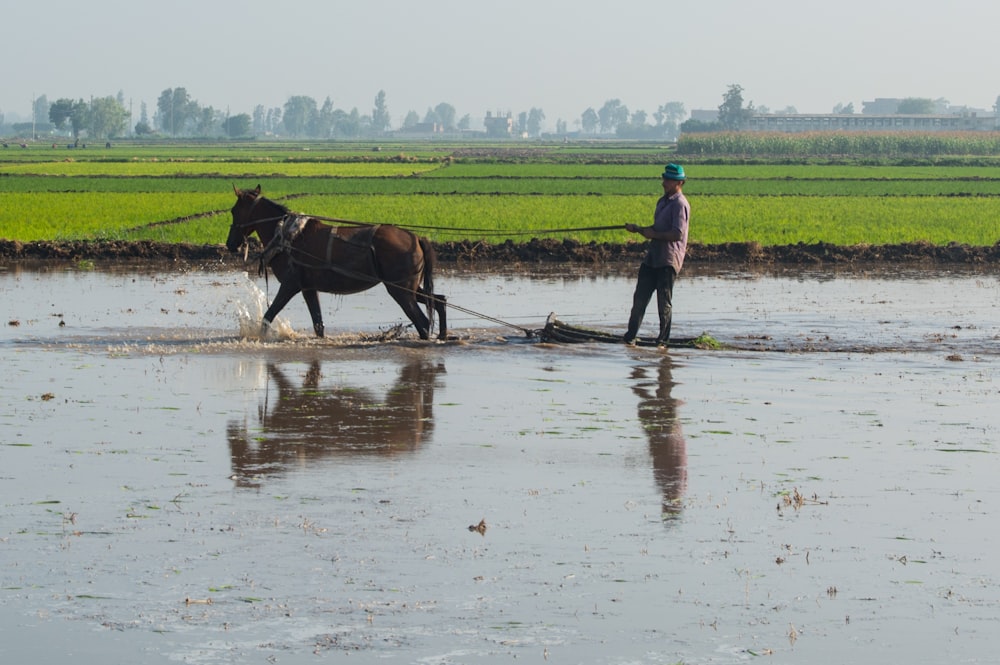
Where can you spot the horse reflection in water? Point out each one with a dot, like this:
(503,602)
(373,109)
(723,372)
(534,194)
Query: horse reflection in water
(309,423)
(667,447)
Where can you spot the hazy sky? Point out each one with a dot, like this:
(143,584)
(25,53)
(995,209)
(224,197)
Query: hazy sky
(505,55)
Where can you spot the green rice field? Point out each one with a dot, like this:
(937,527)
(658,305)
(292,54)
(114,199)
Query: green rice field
(490,192)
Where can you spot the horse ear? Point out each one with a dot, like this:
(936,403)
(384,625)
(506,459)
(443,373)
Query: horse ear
(257,191)
(236,191)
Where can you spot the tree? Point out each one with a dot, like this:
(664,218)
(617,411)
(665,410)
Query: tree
(60,111)
(732,115)
(209,122)
(324,121)
(380,114)
(143,128)
(107,118)
(40,109)
(589,121)
(259,119)
(612,114)
(266,121)
(411,120)
(446,115)
(671,112)
(638,128)
(174,108)
(534,124)
(465,122)
(841,109)
(347,125)
(915,106)
(237,125)
(692,126)
(76,112)
(668,118)
(272,120)
(300,115)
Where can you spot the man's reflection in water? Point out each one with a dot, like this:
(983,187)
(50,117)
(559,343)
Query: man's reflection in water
(667,447)
(299,425)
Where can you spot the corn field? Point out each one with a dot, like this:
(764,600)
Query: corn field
(880,145)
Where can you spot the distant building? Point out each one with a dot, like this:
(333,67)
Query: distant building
(426,128)
(498,126)
(870,122)
(880,106)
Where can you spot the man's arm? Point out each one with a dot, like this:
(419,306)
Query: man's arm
(650,233)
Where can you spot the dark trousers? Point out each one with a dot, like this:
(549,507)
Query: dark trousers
(660,281)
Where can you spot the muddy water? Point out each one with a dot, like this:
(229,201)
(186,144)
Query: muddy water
(175,489)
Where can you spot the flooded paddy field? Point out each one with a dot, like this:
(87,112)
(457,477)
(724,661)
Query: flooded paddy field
(175,489)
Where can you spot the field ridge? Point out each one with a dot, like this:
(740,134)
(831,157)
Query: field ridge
(533,251)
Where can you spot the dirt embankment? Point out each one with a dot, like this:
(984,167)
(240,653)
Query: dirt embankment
(539,251)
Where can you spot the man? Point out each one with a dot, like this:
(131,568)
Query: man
(668,244)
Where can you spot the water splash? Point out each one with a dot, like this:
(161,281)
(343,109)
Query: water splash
(249,307)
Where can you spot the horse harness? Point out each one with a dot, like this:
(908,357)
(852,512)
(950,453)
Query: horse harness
(291,226)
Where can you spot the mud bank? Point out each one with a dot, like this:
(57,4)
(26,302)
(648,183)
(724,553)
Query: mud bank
(544,251)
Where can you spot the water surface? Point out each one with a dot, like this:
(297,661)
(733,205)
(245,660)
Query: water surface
(176,489)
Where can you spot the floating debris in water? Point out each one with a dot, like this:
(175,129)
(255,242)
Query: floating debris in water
(481,527)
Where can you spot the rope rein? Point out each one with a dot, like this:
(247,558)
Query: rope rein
(493,232)
(429,227)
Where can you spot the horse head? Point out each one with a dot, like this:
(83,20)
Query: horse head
(242,221)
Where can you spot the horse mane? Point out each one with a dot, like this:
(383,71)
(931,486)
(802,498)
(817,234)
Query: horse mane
(273,204)
(258,199)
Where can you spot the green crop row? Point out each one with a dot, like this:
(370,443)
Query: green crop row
(87,215)
(847,220)
(709,181)
(768,220)
(227,151)
(717,219)
(223,169)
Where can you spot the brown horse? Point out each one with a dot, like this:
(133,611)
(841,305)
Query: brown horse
(309,256)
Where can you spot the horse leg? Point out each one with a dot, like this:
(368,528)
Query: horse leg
(312,302)
(440,305)
(408,302)
(285,293)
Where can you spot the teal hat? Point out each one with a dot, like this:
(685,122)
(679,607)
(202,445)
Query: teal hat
(673,172)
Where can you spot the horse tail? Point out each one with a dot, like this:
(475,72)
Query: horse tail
(430,259)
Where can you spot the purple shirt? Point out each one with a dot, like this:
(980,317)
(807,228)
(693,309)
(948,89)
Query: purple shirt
(671,213)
